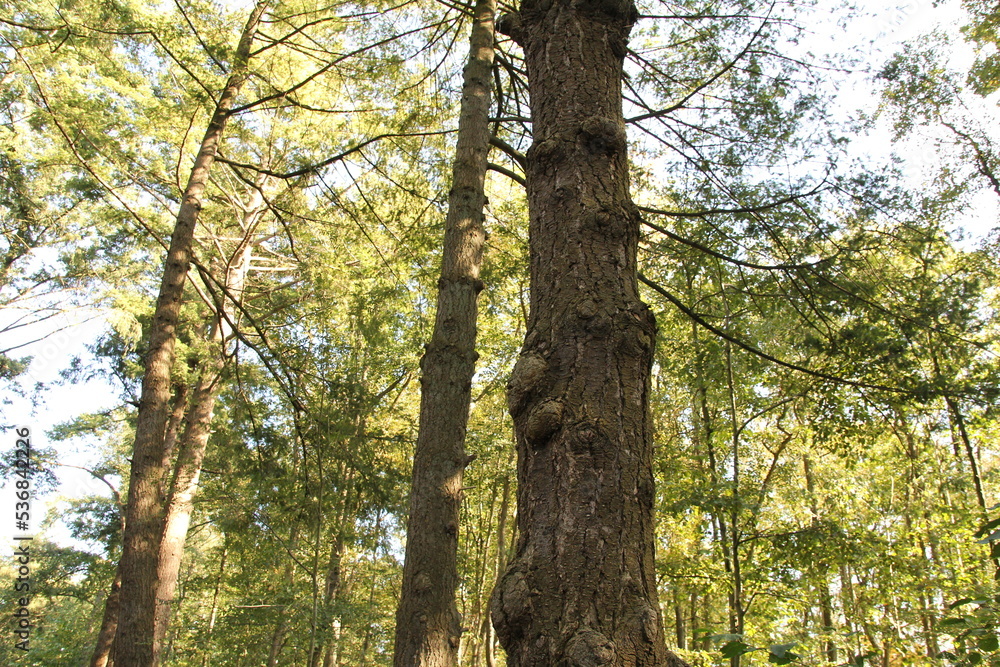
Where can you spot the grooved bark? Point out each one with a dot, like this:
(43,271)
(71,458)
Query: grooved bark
(581,588)
(134,639)
(427,620)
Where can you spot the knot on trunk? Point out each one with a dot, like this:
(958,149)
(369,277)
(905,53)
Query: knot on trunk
(608,222)
(511,604)
(543,422)
(509,24)
(588,648)
(603,136)
(524,380)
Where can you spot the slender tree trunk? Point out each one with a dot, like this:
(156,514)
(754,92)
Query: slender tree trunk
(501,562)
(679,620)
(325,650)
(366,641)
(281,624)
(737,613)
(331,589)
(428,626)
(144,522)
(959,421)
(214,613)
(581,589)
(825,599)
(189,459)
(109,623)
(177,412)
(198,425)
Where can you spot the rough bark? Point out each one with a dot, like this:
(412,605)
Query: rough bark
(581,588)
(135,634)
(428,625)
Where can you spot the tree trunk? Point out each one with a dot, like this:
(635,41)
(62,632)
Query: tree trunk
(679,629)
(214,612)
(109,624)
(581,588)
(501,563)
(428,626)
(325,650)
(331,589)
(825,599)
(189,459)
(198,426)
(177,411)
(288,577)
(135,634)
(955,412)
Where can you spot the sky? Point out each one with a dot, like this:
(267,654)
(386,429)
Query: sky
(879,33)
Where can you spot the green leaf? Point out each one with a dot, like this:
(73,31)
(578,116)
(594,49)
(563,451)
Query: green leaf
(734,648)
(781,654)
(988,643)
(988,526)
(951,622)
(964,601)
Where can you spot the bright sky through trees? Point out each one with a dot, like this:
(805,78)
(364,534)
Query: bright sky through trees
(824,395)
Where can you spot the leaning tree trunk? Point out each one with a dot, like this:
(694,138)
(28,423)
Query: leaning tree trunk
(198,425)
(109,623)
(581,589)
(428,626)
(178,517)
(135,635)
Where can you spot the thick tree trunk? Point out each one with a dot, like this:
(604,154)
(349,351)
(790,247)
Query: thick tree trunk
(581,589)
(428,626)
(140,552)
